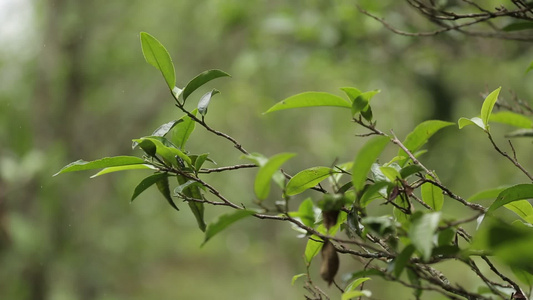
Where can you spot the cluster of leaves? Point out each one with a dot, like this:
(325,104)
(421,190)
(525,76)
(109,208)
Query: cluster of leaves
(407,241)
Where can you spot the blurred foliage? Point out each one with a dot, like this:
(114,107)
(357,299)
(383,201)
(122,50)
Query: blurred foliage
(74,84)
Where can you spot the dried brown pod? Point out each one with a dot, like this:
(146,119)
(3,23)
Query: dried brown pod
(330,262)
(330,218)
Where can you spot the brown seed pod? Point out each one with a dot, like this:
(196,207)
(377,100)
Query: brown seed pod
(330,218)
(330,262)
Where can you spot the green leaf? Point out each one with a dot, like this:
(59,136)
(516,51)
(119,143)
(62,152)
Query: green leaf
(81,165)
(224,221)
(124,168)
(202,79)
(310,99)
(488,105)
(432,195)
(365,158)
(521,133)
(183,130)
(307,179)
(156,55)
(295,277)
(368,195)
(402,259)
(191,190)
(520,25)
(473,121)
(351,92)
(524,276)
(421,233)
(391,173)
(265,173)
(257,158)
(353,294)
(355,284)
(306,212)
(361,103)
(146,183)
(168,154)
(204,101)
(487,194)
(511,118)
(161,130)
(200,160)
(410,170)
(164,188)
(514,193)
(312,248)
(420,135)
(522,208)
(530,67)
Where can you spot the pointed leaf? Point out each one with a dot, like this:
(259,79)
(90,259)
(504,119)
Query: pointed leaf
(410,170)
(421,233)
(351,92)
(391,173)
(487,107)
(204,101)
(514,193)
(473,121)
(312,248)
(265,173)
(353,294)
(511,118)
(146,183)
(432,195)
(361,103)
(81,165)
(124,168)
(370,193)
(156,55)
(200,160)
(257,158)
(310,99)
(224,221)
(168,154)
(183,130)
(164,189)
(202,79)
(161,130)
(364,160)
(487,194)
(402,259)
(192,191)
(420,135)
(307,179)
(520,25)
(356,283)
(522,208)
(295,277)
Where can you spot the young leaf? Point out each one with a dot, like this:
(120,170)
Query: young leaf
(163,187)
(356,283)
(511,118)
(310,99)
(156,55)
(146,183)
(365,158)
(487,107)
(514,193)
(410,170)
(312,248)
(295,277)
(202,79)
(420,135)
(161,130)
(200,160)
(351,92)
(257,158)
(402,259)
(224,221)
(183,130)
(124,168)
(265,173)
(473,121)
(307,179)
(81,165)
(421,233)
(353,294)
(361,104)
(432,195)
(204,101)
(391,173)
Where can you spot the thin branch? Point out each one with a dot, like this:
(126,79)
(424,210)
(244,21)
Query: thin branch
(228,168)
(514,161)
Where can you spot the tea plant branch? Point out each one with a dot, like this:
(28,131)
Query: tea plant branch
(513,160)
(449,193)
(228,168)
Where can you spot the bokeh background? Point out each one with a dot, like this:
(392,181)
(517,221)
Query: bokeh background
(74,84)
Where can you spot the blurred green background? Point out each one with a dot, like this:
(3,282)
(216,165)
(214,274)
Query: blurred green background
(74,84)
